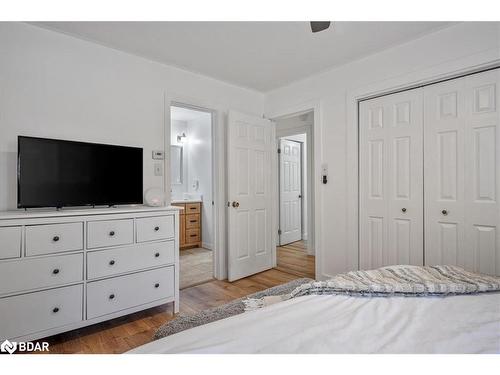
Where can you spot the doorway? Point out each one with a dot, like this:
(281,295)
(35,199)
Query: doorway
(295,249)
(191,176)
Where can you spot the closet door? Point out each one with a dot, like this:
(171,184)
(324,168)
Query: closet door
(391,180)
(462,177)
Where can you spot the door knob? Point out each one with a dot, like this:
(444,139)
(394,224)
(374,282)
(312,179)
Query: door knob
(444,212)
(300,196)
(403,209)
(236,204)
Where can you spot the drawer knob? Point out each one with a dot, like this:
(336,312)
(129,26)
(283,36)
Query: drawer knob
(157,229)
(403,209)
(444,212)
(55,310)
(112,233)
(111,262)
(157,285)
(55,238)
(55,271)
(157,255)
(111,296)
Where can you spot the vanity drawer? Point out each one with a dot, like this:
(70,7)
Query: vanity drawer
(120,293)
(192,221)
(106,233)
(39,311)
(192,236)
(126,259)
(36,273)
(10,242)
(155,228)
(53,238)
(193,208)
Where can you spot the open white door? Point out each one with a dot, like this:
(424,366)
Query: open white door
(290,192)
(250,147)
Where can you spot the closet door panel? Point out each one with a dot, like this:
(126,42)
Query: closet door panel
(444,120)
(482,172)
(391,180)
(462,182)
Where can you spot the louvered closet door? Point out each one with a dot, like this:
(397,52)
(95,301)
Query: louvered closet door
(391,180)
(462,176)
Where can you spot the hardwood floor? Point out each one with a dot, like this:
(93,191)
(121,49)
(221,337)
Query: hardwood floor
(125,333)
(293,258)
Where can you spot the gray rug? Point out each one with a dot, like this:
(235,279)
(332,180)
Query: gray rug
(183,322)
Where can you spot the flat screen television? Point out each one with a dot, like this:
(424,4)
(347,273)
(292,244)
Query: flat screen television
(59,173)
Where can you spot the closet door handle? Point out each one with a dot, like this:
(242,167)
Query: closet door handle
(444,212)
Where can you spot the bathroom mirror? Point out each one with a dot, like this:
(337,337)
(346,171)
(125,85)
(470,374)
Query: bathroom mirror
(176,164)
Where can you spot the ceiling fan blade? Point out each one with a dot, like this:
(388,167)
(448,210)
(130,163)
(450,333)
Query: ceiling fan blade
(317,26)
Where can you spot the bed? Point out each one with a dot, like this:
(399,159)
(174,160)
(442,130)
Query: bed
(346,324)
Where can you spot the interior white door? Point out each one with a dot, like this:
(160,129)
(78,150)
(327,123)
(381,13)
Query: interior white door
(250,157)
(462,176)
(391,180)
(290,183)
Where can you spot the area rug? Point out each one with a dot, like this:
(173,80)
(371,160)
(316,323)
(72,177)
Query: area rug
(183,322)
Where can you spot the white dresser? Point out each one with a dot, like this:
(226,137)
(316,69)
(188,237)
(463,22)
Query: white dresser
(61,270)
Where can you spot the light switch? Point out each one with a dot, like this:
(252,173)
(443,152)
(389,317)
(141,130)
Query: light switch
(158,169)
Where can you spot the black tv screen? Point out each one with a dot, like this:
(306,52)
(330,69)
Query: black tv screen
(57,173)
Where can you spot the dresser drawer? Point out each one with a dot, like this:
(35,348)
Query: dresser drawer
(110,233)
(193,208)
(155,228)
(120,293)
(192,221)
(126,259)
(39,311)
(36,273)
(10,242)
(53,238)
(192,236)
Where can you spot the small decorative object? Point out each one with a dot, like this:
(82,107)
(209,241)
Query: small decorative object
(181,138)
(154,197)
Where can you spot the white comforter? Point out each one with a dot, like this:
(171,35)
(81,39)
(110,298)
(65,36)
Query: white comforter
(341,324)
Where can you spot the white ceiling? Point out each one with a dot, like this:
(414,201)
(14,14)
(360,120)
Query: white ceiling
(258,55)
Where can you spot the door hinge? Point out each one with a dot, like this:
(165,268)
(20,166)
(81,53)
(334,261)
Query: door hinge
(279,150)
(279,232)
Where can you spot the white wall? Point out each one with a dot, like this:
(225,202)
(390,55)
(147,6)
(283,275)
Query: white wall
(462,46)
(200,169)
(197,165)
(177,127)
(55,85)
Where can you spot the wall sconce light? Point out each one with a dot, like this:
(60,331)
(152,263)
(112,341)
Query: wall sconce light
(181,138)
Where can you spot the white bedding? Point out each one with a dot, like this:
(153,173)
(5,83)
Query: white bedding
(341,324)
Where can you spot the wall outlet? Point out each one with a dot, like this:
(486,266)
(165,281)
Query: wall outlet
(158,169)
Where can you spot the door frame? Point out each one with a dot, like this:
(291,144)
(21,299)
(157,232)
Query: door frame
(278,211)
(316,202)
(431,76)
(218,177)
(307,130)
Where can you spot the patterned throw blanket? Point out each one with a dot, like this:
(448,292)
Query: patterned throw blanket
(407,281)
